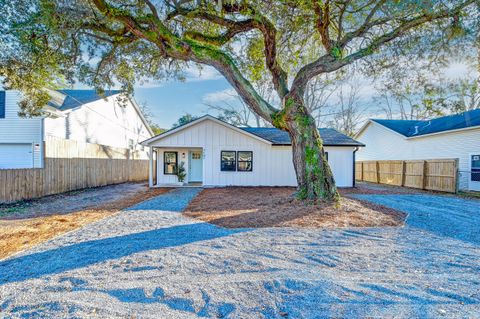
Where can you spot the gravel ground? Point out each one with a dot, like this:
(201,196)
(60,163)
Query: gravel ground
(70,201)
(151,262)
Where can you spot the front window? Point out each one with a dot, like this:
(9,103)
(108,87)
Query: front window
(475,168)
(170,163)
(245,161)
(228,162)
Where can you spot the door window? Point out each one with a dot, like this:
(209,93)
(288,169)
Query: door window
(196,155)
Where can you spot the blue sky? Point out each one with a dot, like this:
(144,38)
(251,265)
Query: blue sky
(169,100)
(173,99)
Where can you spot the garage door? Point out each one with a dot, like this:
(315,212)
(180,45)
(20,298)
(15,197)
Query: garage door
(16,156)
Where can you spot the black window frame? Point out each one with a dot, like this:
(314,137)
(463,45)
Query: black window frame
(475,170)
(251,162)
(168,163)
(3,104)
(234,160)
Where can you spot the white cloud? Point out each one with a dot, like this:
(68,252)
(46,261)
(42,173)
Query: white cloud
(150,84)
(228,95)
(459,70)
(193,73)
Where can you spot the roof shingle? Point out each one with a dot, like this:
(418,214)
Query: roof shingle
(441,124)
(330,136)
(76,98)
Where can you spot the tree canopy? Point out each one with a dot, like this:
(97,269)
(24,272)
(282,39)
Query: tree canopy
(49,43)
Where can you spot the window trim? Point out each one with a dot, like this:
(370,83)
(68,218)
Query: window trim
(474,170)
(3,104)
(165,163)
(235,159)
(251,162)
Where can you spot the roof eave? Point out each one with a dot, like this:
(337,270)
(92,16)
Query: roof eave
(148,142)
(329,145)
(445,132)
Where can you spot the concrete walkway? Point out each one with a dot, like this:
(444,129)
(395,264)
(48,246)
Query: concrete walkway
(151,262)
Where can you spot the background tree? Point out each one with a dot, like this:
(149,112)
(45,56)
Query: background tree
(45,42)
(184,119)
(349,113)
(147,113)
(233,109)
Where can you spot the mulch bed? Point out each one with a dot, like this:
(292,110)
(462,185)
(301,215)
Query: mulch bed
(19,233)
(257,207)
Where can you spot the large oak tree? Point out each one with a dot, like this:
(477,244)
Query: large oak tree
(287,42)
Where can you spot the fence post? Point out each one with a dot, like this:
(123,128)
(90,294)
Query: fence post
(377,171)
(404,172)
(424,175)
(361,171)
(456,176)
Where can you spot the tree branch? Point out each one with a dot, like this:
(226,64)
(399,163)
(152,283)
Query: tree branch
(323,23)
(330,63)
(258,22)
(367,24)
(190,50)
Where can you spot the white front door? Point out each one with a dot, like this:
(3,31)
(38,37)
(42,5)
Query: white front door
(195,166)
(474,175)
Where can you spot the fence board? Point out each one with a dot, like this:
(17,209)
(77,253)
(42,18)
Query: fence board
(431,174)
(71,165)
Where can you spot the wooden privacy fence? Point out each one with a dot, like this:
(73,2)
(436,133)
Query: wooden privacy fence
(71,165)
(435,174)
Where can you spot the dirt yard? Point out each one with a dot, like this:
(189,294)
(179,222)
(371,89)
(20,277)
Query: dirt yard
(28,223)
(257,207)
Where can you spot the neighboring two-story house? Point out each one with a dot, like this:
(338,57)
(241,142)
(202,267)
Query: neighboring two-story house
(81,115)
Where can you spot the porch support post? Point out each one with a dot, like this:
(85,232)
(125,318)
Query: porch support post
(150,167)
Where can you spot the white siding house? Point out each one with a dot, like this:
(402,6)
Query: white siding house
(452,137)
(21,139)
(80,115)
(215,153)
(87,117)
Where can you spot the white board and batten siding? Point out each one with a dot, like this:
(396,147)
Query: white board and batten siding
(384,144)
(21,139)
(104,122)
(272,165)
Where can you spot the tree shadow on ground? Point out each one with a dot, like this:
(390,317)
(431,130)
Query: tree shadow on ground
(87,253)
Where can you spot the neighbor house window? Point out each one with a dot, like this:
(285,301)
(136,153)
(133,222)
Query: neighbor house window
(228,162)
(2,104)
(244,161)
(326,155)
(475,168)
(170,163)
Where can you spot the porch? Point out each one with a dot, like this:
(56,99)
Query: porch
(165,163)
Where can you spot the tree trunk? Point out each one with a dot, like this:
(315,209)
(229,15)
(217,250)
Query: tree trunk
(314,176)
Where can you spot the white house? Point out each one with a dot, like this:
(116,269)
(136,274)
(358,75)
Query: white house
(455,136)
(215,153)
(80,115)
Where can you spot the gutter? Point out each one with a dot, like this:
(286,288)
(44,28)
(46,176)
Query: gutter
(354,173)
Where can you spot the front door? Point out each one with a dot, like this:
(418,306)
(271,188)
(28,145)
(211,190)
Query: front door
(195,167)
(474,178)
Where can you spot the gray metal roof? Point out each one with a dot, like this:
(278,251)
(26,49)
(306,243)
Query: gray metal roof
(330,136)
(76,98)
(441,124)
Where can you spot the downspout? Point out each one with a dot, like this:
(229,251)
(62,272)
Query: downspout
(354,173)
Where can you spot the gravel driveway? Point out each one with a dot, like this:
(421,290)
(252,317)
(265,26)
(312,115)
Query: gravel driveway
(151,262)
